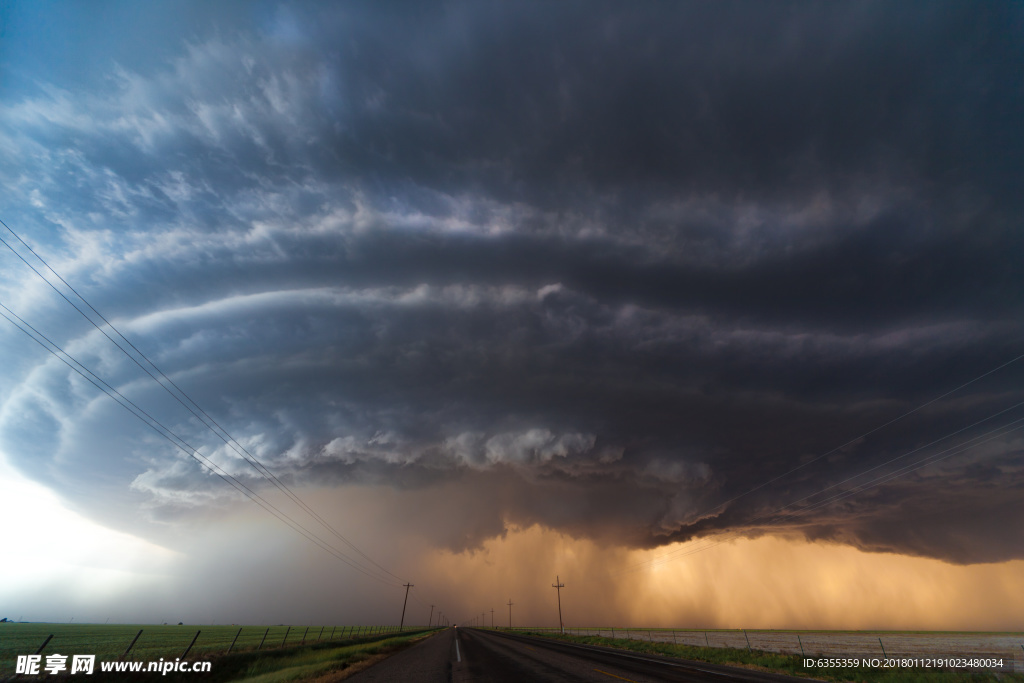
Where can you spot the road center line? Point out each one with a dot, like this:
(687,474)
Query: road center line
(614,676)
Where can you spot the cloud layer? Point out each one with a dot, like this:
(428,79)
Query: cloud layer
(612,268)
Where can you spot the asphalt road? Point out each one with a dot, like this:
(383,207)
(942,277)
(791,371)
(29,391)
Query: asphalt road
(464,655)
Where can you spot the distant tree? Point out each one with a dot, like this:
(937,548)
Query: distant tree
(180,624)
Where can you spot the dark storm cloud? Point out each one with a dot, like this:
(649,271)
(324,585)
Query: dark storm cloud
(612,265)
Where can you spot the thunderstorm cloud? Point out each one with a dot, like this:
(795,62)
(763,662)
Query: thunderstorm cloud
(608,268)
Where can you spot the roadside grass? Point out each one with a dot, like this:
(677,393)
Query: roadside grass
(788,664)
(300,663)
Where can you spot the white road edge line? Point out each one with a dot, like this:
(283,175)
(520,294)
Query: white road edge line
(458,657)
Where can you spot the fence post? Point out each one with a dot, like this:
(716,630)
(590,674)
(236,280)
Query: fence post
(51,636)
(801,646)
(125,652)
(264,638)
(748,641)
(321,633)
(286,636)
(233,641)
(333,628)
(674,637)
(650,638)
(706,641)
(884,656)
(194,638)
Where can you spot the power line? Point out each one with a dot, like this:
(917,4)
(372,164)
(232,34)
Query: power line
(170,435)
(921,448)
(173,437)
(219,431)
(684,552)
(872,469)
(864,435)
(837,448)
(906,469)
(878,481)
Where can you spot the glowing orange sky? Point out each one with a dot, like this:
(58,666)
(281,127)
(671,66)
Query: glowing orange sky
(765,583)
(260,574)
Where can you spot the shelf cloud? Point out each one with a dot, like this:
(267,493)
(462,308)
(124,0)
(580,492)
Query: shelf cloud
(624,272)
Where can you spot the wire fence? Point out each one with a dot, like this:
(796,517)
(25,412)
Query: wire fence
(151,642)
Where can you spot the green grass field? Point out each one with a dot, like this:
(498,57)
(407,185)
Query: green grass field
(108,642)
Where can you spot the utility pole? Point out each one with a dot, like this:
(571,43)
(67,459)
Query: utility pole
(510,614)
(558,586)
(431,619)
(492,617)
(407,587)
